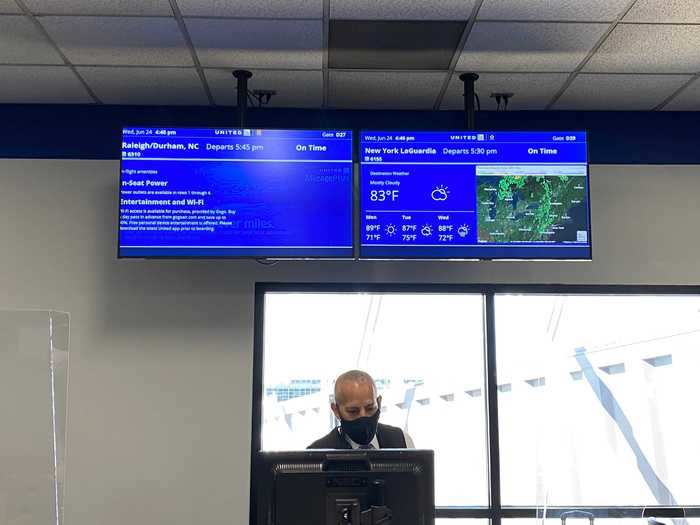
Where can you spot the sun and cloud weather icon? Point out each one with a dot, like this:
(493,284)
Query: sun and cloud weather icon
(426,230)
(440,193)
(463,230)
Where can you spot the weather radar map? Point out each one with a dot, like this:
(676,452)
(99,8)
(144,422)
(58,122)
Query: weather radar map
(531,208)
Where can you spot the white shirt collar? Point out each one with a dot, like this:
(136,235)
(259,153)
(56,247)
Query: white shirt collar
(374,442)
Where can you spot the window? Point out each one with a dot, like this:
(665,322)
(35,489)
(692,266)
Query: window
(598,521)
(591,406)
(598,410)
(425,352)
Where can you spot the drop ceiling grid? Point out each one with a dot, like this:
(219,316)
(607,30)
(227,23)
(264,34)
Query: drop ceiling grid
(9,7)
(674,18)
(491,12)
(601,41)
(45,38)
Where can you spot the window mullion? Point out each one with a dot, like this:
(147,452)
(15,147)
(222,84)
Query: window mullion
(491,399)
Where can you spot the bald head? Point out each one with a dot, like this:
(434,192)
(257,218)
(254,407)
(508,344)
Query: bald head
(352,381)
(355,395)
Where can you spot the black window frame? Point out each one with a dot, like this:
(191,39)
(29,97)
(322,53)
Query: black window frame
(495,511)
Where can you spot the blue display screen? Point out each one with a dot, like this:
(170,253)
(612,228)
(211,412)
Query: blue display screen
(474,195)
(235,193)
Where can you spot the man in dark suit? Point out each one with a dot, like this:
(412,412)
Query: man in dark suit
(357,406)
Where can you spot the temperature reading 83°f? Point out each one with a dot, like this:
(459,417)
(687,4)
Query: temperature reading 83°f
(383,195)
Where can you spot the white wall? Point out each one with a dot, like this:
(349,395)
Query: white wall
(161,352)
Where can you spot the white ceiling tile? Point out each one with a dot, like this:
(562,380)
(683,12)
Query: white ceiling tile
(527,47)
(686,100)
(119,40)
(282,44)
(660,11)
(384,89)
(295,89)
(257,9)
(648,49)
(41,85)
(9,7)
(401,10)
(619,92)
(145,85)
(21,42)
(531,90)
(99,7)
(569,10)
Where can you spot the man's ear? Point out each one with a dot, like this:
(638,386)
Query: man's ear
(379,402)
(336,411)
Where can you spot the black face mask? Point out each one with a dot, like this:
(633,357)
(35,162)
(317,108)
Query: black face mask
(361,430)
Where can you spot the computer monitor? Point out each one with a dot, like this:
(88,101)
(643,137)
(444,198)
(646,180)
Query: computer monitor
(236,193)
(474,195)
(358,487)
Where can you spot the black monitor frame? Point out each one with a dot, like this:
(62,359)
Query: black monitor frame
(320,485)
(359,211)
(258,257)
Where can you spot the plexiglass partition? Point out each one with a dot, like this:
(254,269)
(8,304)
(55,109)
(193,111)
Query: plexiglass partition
(33,392)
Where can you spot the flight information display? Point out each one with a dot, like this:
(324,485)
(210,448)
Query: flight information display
(236,193)
(474,195)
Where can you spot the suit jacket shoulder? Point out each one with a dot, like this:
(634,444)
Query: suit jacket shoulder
(390,437)
(332,440)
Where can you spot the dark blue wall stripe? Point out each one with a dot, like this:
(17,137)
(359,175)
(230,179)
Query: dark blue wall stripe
(93,132)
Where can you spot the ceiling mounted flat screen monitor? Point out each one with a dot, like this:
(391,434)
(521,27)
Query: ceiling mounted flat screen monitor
(255,193)
(474,195)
